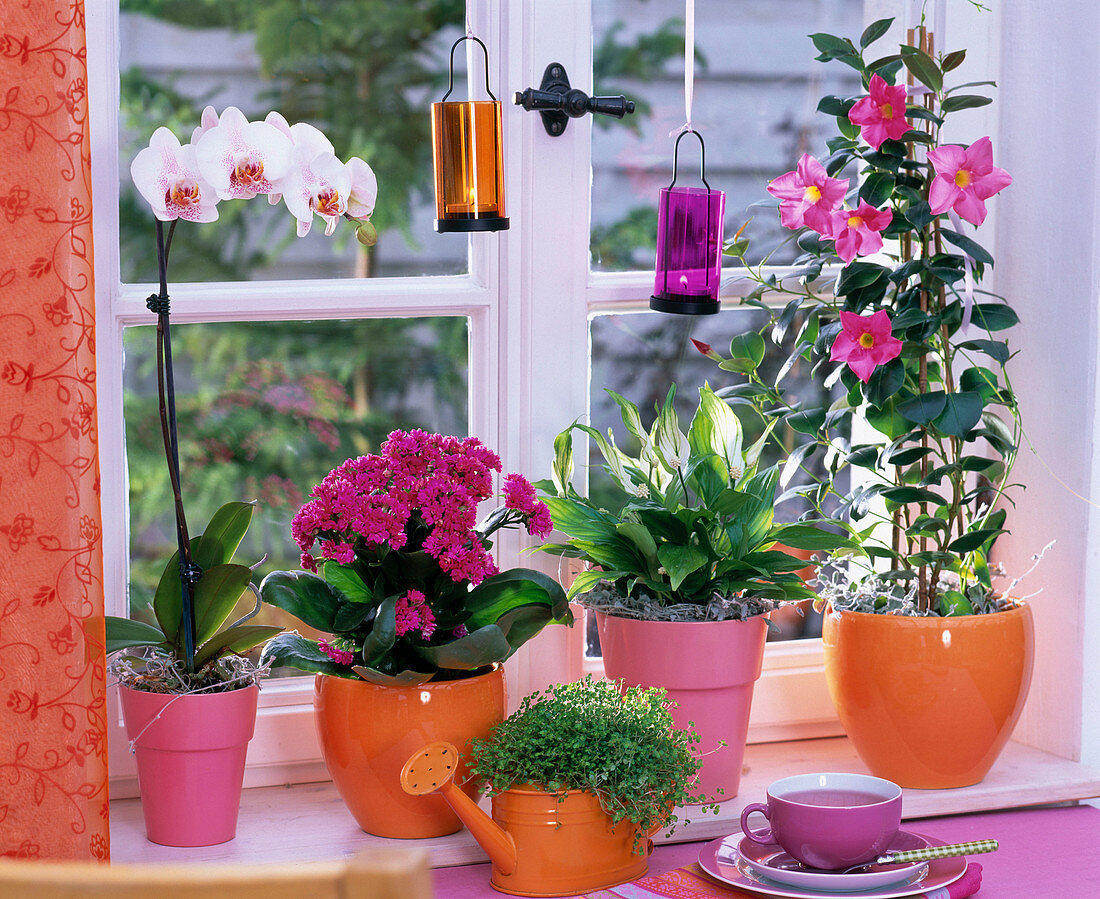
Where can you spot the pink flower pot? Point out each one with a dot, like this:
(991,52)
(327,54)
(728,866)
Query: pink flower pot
(190,761)
(708,668)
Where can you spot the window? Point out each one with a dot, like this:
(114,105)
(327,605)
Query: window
(539,310)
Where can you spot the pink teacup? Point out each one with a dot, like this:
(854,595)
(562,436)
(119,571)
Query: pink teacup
(829,821)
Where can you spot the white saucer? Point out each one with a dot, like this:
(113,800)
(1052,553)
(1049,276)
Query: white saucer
(774,863)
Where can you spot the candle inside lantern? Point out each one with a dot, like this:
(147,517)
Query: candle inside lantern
(689,250)
(467,141)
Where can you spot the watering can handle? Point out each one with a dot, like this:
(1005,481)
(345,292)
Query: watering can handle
(431,770)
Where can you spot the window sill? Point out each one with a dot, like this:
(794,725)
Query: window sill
(313,824)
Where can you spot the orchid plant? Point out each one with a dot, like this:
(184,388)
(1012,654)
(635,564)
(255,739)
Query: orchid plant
(228,158)
(899,331)
(398,571)
(696,538)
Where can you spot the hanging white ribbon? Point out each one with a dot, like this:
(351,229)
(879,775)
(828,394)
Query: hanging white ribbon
(968,275)
(689,66)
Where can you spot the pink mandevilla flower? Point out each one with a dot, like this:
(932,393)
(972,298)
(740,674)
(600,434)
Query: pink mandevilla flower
(167,175)
(880,116)
(856,231)
(241,158)
(965,178)
(865,343)
(808,195)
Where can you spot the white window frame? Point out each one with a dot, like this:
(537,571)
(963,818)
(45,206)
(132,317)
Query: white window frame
(529,296)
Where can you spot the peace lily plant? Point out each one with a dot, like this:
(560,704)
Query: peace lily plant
(696,537)
(228,157)
(901,332)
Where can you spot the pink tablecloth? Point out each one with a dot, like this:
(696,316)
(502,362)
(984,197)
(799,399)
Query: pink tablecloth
(1051,853)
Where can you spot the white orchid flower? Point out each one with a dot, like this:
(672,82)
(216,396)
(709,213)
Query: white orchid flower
(167,175)
(364,189)
(207,121)
(241,158)
(278,121)
(321,185)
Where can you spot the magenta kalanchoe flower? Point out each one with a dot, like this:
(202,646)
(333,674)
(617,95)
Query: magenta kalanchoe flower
(809,196)
(865,342)
(880,116)
(519,494)
(856,231)
(965,178)
(337,654)
(412,613)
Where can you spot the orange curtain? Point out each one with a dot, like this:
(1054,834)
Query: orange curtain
(53,752)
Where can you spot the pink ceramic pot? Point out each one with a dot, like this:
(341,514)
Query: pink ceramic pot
(190,761)
(708,668)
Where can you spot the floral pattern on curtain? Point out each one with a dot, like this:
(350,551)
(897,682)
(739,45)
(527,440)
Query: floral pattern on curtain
(53,753)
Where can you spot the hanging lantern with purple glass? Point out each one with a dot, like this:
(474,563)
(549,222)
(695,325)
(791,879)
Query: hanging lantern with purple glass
(689,243)
(467,150)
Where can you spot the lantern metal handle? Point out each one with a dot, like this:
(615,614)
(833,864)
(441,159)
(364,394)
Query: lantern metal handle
(451,80)
(702,157)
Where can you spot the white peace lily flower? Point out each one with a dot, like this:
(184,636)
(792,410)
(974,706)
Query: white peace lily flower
(364,189)
(671,442)
(241,158)
(167,175)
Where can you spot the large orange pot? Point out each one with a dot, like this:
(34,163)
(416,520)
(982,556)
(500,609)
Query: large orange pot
(929,703)
(368,731)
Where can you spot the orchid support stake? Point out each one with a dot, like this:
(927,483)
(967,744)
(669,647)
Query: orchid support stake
(166,391)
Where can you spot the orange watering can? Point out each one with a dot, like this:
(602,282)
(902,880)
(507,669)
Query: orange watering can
(540,843)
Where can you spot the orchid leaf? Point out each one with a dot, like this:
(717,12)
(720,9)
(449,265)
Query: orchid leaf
(234,640)
(216,593)
(126,633)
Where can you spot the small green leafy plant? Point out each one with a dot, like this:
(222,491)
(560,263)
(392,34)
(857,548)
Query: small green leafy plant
(696,538)
(159,666)
(587,735)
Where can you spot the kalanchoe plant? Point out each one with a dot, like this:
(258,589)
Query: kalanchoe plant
(696,538)
(158,665)
(231,158)
(899,329)
(398,570)
(621,746)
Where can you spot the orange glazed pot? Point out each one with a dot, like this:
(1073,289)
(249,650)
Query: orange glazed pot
(368,731)
(929,703)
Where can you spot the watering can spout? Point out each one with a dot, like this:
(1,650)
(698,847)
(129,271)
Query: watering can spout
(431,770)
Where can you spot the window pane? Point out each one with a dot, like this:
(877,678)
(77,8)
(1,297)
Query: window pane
(639,355)
(364,75)
(265,411)
(756,91)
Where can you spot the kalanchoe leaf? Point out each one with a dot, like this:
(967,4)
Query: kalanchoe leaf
(305,596)
(383,633)
(406,678)
(295,651)
(347,581)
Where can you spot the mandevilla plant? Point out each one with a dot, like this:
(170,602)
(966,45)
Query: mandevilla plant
(919,356)
(696,538)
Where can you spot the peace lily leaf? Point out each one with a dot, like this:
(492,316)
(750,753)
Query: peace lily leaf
(577,519)
(680,561)
(563,461)
(306,596)
(586,580)
(216,593)
(124,633)
(800,536)
(292,650)
(632,420)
